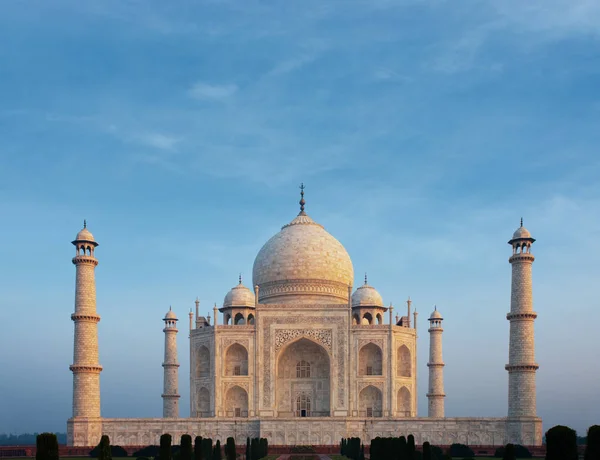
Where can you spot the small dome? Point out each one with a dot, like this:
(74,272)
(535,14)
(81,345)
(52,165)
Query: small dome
(520,233)
(366,296)
(84,234)
(170,314)
(239,296)
(436,314)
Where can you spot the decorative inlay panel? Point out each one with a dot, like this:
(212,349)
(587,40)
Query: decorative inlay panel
(363,342)
(230,341)
(322,336)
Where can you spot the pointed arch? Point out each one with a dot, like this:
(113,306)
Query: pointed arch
(367,319)
(236,400)
(203,403)
(370,402)
(404,362)
(203,362)
(303,366)
(404,402)
(239,319)
(370,360)
(236,360)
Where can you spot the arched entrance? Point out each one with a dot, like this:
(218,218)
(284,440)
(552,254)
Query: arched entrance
(303,380)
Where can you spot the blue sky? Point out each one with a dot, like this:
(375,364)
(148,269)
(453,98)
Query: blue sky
(423,130)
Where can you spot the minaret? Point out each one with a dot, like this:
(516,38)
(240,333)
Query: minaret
(171,366)
(85,367)
(436,394)
(521,365)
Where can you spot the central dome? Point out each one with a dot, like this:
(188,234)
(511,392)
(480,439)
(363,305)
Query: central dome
(303,264)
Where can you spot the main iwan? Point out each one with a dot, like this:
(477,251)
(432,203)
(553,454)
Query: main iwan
(301,359)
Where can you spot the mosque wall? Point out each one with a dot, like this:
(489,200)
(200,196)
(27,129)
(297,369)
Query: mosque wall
(322,431)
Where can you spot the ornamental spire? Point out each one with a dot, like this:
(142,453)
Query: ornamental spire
(84,223)
(366,278)
(240,278)
(521,221)
(302,202)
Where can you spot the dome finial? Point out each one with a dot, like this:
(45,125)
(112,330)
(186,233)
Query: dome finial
(366,278)
(521,221)
(84,223)
(302,202)
(169,307)
(240,278)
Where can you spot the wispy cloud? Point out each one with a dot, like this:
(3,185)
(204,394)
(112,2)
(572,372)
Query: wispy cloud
(206,91)
(291,64)
(158,140)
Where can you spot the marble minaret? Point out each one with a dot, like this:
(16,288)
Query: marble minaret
(171,367)
(435,395)
(86,369)
(521,365)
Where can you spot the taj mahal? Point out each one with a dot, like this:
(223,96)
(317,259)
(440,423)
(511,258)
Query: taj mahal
(301,357)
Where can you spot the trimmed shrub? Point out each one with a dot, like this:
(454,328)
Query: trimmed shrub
(46,447)
(437,453)
(461,450)
(592,448)
(561,443)
(147,452)
(164,452)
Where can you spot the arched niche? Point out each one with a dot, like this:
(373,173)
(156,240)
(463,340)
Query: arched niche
(236,360)
(370,360)
(203,403)
(370,402)
(203,362)
(404,402)
(404,362)
(236,402)
(303,369)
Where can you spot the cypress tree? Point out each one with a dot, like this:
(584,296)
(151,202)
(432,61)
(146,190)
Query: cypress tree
(230,449)
(207,448)
(185,447)
(104,452)
(254,449)
(509,452)
(46,447)
(198,448)
(165,447)
(217,451)
(561,443)
(403,449)
(411,447)
(426,451)
(592,448)
(362,452)
(248,448)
